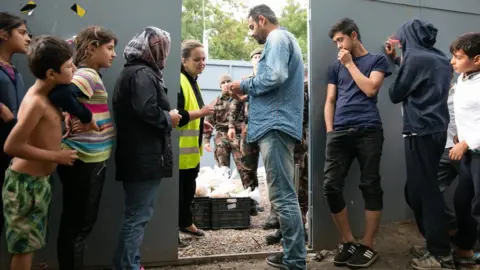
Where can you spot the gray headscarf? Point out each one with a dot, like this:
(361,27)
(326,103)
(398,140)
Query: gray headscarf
(152,46)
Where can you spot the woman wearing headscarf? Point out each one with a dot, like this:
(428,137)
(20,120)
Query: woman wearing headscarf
(144,122)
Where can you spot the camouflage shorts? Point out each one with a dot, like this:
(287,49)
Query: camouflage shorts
(26,201)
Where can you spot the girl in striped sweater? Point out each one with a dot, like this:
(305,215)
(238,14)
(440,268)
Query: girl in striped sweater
(83,182)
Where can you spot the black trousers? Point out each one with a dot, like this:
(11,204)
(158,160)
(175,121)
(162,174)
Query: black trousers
(4,163)
(467,201)
(343,146)
(82,190)
(422,193)
(187,192)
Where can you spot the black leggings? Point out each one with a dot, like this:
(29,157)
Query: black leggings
(187,192)
(82,190)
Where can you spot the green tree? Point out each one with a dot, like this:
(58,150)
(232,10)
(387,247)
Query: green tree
(228,37)
(192,18)
(294,19)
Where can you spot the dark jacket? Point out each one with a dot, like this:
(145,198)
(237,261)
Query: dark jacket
(423,80)
(141,112)
(11,95)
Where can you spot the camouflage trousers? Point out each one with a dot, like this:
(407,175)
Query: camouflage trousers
(251,154)
(224,147)
(300,156)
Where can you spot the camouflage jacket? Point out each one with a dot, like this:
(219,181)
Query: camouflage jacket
(220,119)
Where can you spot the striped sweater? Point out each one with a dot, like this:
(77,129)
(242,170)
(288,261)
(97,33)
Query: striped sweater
(93,146)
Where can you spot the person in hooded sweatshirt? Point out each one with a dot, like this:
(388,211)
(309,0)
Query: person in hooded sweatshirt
(422,85)
(144,122)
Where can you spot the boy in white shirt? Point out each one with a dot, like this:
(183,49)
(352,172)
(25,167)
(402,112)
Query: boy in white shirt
(466,61)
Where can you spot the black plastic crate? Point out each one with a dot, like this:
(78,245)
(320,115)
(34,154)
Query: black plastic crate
(231,213)
(201,210)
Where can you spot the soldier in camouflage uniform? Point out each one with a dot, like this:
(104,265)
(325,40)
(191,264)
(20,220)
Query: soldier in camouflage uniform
(224,147)
(250,151)
(300,158)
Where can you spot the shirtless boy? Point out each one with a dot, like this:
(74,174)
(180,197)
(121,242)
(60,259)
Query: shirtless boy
(35,144)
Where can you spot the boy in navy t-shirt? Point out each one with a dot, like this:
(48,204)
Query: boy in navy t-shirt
(354,130)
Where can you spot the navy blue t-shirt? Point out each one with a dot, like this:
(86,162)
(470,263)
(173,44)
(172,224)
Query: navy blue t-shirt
(353,108)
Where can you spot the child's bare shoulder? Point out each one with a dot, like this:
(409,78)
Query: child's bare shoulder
(33,103)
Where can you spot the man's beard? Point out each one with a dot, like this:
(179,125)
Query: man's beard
(260,41)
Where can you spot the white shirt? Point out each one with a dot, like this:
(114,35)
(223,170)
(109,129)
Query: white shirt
(452,127)
(467,109)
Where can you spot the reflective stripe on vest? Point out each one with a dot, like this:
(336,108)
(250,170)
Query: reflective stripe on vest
(190,150)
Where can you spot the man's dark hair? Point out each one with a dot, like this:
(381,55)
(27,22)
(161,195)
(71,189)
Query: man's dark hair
(469,43)
(346,26)
(47,52)
(262,10)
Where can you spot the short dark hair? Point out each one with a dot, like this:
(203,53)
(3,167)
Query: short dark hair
(263,10)
(346,26)
(468,43)
(8,22)
(47,52)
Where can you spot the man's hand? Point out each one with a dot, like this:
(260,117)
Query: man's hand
(457,152)
(455,139)
(207,127)
(234,88)
(208,147)
(175,117)
(66,157)
(231,134)
(6,114)
(390,50)
(240,97)
(78,127)
(345,57)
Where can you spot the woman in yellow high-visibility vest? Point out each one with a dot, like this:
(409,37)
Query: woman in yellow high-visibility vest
(191,127)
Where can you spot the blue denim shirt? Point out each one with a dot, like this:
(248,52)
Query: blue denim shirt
(276,92)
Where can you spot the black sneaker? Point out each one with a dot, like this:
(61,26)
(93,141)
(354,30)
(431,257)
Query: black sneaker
(271,223)
(430,262)
(277,262)
(345,252)
(362,258)
(274,238)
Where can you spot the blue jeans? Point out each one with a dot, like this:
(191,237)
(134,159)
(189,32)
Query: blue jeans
(277,152)
(140,200)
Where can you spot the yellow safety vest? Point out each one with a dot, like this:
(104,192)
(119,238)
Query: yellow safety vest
(190,150)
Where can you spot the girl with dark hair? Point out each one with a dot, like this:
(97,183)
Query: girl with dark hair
(14,38)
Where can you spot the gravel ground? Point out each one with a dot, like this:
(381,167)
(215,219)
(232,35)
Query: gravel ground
(392,243)
(217,242)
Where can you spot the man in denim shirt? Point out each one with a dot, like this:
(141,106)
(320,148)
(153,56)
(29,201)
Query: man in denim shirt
(275,123)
